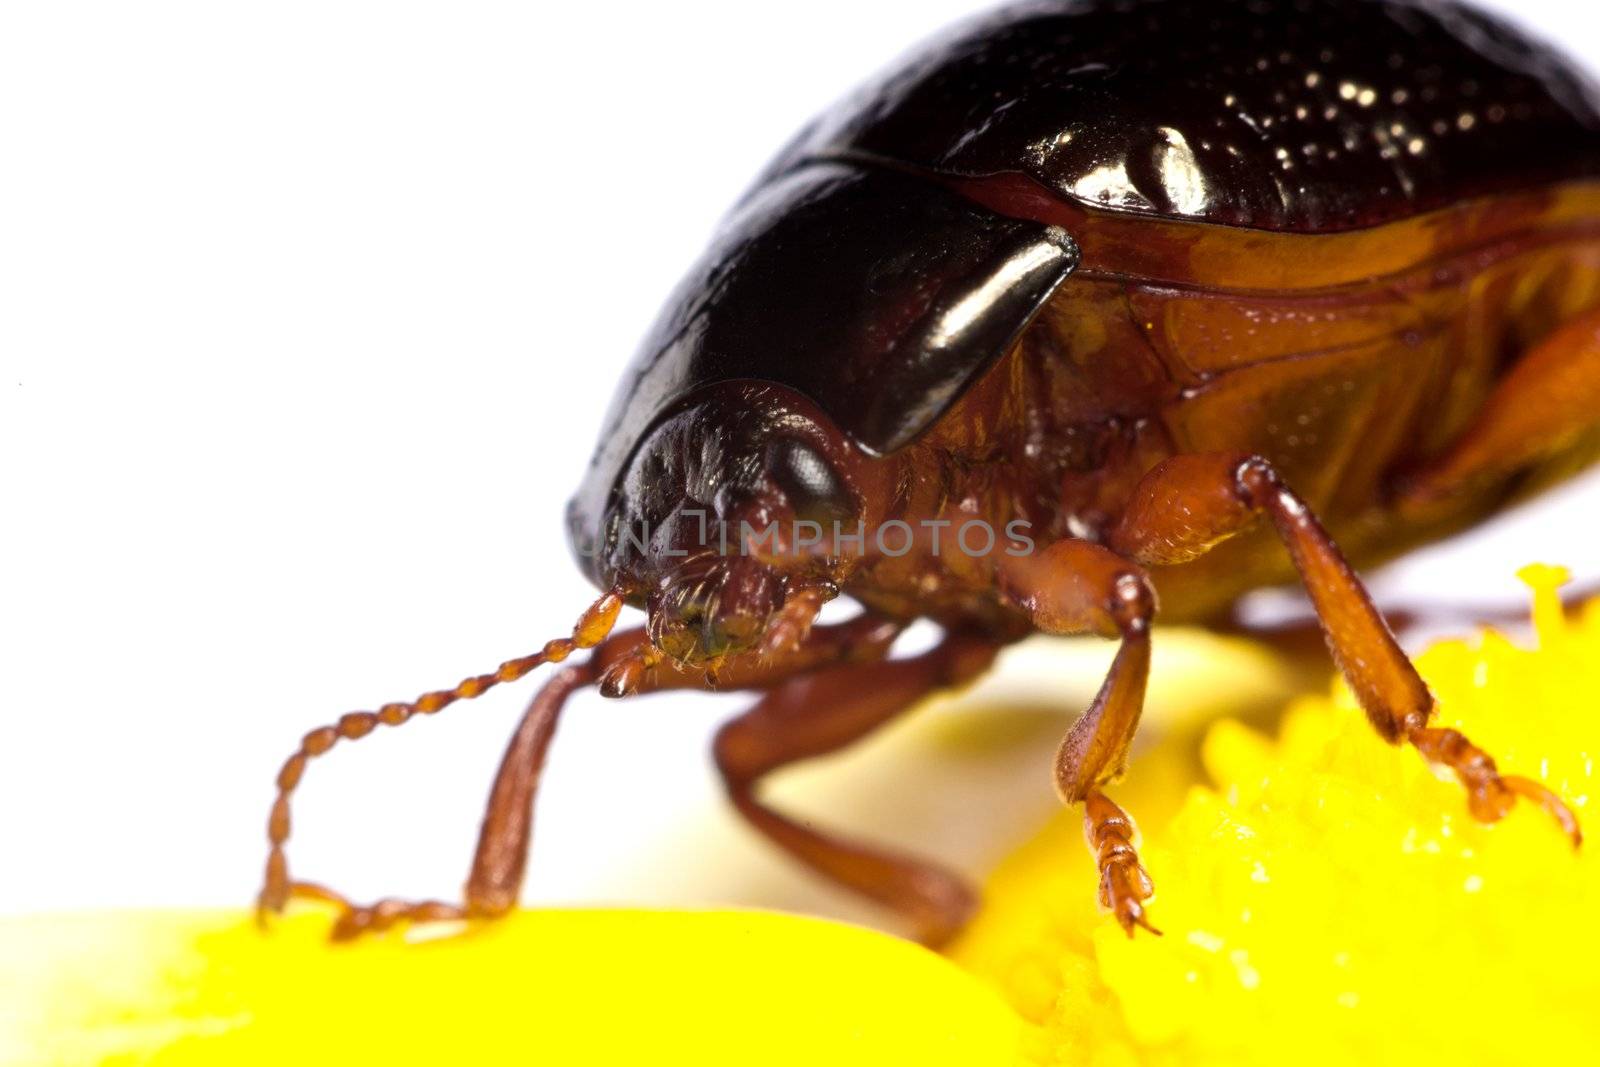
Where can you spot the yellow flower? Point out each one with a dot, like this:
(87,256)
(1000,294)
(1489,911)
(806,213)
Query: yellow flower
(543,987)
(1328,899)
(1325,898)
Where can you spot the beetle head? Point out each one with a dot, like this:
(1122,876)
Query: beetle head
(725,511)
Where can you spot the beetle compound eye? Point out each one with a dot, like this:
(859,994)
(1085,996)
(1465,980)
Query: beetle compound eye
(809,482)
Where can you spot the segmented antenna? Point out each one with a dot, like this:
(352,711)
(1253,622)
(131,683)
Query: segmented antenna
(592,628)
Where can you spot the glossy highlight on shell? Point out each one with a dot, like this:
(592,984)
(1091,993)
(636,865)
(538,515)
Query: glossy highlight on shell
(1297,115)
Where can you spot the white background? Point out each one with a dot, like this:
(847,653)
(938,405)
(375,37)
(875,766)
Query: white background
(308,316)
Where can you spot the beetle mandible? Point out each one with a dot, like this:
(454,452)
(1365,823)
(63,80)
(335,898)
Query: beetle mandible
(1170,299)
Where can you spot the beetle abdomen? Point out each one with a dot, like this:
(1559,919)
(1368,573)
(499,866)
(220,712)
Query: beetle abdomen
(1372,354)
(1300,115)
(1335,383)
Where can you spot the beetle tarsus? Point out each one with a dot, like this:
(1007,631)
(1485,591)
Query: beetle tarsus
(1490,795)
(355,920)
(1125,885)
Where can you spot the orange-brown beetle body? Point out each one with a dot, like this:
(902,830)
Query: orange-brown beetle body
(1101,308)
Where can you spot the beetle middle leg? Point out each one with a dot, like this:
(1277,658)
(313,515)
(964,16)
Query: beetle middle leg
(1188,504)
(1079,587)
(818,713)
(1550,396)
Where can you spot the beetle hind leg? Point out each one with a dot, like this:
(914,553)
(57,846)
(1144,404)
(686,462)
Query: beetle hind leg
(1187,504)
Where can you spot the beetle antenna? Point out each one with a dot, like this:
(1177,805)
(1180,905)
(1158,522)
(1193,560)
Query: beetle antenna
(593,627)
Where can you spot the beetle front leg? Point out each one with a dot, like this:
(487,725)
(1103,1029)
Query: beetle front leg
(1188,504)
(593,627)
(501,858)
(502,851)
(1077,587)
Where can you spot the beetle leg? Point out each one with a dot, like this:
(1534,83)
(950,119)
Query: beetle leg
(821,712)
(1187,504)
(1548,398)
(1298,637)
(1077,587)
(502,853)
(501,858)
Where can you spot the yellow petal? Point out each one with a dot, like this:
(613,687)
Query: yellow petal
(546,987)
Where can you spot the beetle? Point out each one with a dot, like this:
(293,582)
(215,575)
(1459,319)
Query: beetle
(1135,302)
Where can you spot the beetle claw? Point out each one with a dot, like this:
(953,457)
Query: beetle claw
(1133,914)
(1550,801)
